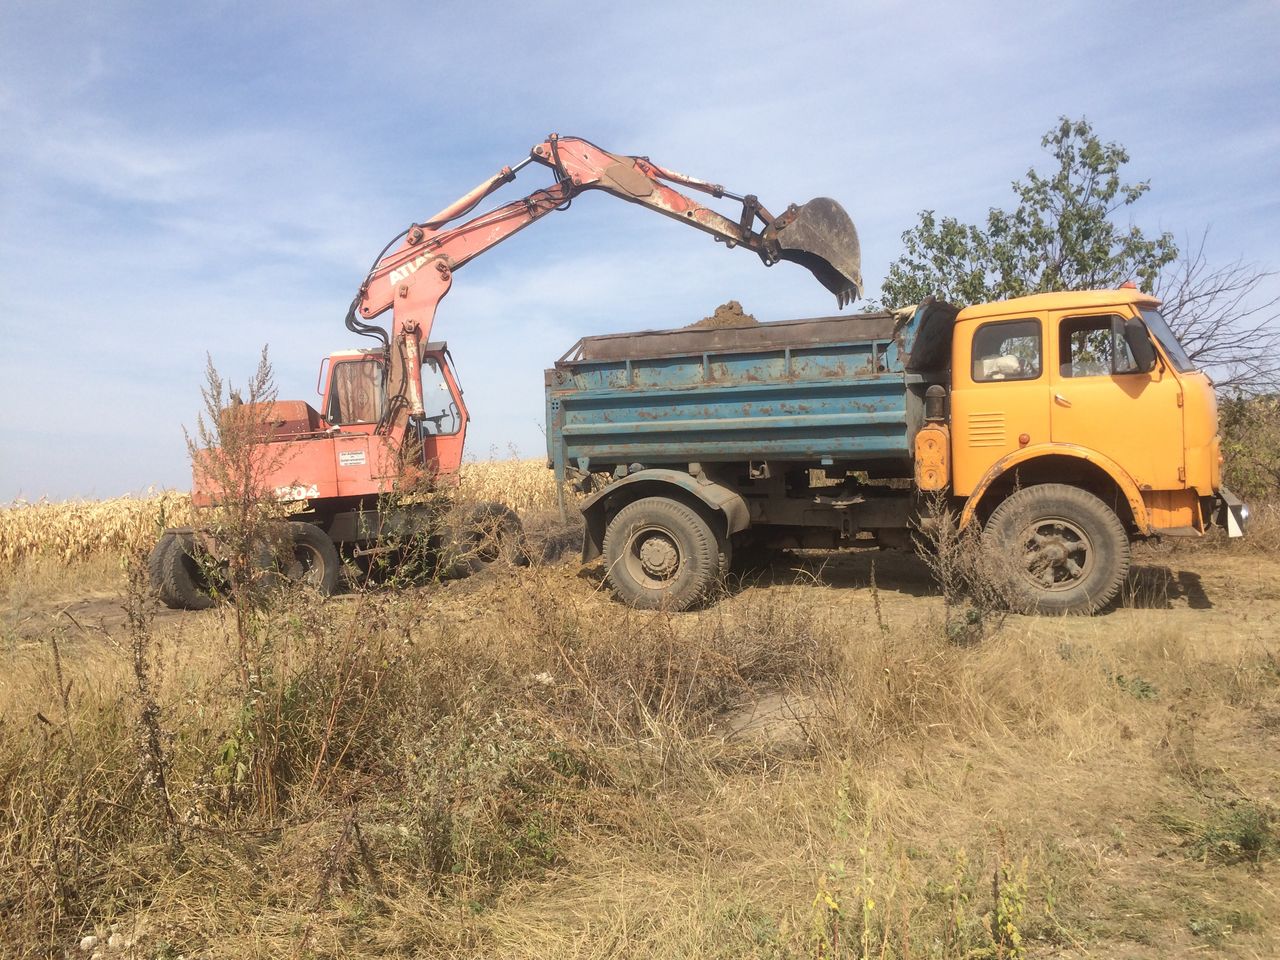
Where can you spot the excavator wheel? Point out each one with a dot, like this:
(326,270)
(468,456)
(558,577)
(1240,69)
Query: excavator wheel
(178,573)
(489,532)
(156,568)
(310,558)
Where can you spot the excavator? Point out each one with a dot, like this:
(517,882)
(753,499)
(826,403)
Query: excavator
(392,417)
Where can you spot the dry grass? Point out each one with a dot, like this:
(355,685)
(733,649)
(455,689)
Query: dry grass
(514,765)
(523,485)
(76,530)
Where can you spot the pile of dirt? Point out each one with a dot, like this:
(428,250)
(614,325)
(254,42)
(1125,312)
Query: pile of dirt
(726,315)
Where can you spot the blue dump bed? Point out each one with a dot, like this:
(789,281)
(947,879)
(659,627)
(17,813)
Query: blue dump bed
(829,390)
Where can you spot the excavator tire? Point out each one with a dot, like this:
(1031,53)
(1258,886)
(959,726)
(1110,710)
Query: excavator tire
(314,559)
(156,561)
(489,532)
(181,582)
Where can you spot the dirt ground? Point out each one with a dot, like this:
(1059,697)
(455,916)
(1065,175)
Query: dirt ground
(1213,593)
(1111,791)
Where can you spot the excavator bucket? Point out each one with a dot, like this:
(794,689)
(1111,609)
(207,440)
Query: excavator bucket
(821,237)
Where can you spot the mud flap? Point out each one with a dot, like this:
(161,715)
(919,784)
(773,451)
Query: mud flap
(1232,513)
(592,535)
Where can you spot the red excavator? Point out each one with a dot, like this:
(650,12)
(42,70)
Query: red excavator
(393,421)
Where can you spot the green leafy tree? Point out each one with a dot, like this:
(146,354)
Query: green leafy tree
(1065,234)
(1062,235)
(1251,442)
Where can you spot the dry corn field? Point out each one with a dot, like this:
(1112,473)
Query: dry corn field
(77,530)
(817,765)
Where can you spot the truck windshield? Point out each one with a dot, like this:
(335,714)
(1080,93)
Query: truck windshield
(1177,356)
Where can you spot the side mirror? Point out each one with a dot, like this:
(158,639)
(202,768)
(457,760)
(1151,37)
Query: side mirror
(1139,342)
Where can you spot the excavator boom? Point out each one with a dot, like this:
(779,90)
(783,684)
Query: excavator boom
(413,278)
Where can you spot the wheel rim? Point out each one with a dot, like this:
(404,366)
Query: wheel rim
(1056,554)
(306,565)
(653,557)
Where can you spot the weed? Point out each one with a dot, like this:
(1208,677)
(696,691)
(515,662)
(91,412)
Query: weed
(1244,831)
(973,573)
(1136,687)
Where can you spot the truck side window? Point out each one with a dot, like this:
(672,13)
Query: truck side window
(1093,347)
(1007,350)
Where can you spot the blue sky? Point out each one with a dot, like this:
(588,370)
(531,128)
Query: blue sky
(177,179)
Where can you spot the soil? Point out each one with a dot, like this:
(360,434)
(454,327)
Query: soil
(726,315)
(1214,593)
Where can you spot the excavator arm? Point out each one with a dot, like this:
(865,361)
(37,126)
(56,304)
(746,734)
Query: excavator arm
(412,279)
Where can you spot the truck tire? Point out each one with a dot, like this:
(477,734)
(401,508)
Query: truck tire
(156,561)
(1069,551)
(661,554)
(183,584)
(314,559)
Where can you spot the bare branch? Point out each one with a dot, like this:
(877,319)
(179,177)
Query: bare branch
(1222,319)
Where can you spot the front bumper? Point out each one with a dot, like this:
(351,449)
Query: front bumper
(1231,513)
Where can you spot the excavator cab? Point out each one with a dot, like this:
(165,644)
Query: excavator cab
(820,237)
(442,416)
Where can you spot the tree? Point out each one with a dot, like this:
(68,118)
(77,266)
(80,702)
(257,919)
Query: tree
(1063,235)
(1221,321)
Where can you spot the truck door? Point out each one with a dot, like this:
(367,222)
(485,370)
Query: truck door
(998,395)
(1100,400)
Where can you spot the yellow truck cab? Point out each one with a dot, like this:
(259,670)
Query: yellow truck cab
(1089,391)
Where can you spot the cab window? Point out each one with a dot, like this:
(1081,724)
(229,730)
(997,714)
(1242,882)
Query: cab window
(1093,347)
(1007,350)
(358,392)
(442,417)
(1160,327)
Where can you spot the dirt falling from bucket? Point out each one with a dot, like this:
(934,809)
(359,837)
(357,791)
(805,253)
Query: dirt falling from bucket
(726,315)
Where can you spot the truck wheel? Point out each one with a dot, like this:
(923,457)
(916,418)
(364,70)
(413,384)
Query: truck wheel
(314,559)
(1069,551)
(661,554)
(183,583)
(156,561)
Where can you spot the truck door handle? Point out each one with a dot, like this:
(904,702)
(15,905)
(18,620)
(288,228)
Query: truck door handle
(1062,400)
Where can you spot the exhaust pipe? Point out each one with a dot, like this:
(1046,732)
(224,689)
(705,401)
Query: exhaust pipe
(821,237)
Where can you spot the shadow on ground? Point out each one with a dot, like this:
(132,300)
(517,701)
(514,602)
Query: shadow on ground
(1154,587)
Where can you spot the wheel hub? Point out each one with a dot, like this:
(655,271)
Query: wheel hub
(303,566)
(659,557)
(1056,554)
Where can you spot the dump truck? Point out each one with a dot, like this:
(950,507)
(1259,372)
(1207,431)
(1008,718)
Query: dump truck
(1066,425)
(376,463)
